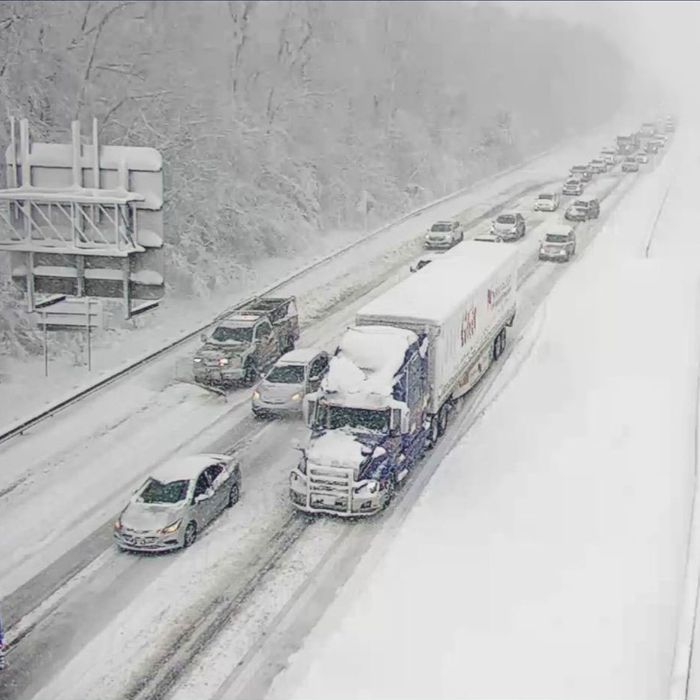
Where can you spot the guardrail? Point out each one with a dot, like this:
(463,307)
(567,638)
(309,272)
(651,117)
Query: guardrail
(20,427)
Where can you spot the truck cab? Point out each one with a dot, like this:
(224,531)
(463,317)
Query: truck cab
(367,424)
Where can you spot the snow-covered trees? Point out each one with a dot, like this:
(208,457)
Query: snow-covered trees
(275,117)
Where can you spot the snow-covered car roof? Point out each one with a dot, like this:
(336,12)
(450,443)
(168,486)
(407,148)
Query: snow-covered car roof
(300,356)
(185,468)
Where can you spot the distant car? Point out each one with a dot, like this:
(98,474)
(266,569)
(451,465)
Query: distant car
(572,187)
(610,156)
(488,238)
(582,172)
(509,226)
(282,389)
(630,165)
(582,210)
(444,234)
(642,158)
(597,166)
(177,502)
(559,244)
(651,147)
(547,201)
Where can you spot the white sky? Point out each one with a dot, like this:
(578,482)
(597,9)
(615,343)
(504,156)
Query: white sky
(660,37)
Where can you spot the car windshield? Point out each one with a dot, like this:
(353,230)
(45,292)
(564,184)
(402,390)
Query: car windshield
(158,492)
(441,228)
(341,417)
(505,219)
(556,238)
(580,204)
(226,334)
(286,374)
(546,196)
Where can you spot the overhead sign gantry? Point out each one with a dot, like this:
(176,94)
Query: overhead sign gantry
(84,220)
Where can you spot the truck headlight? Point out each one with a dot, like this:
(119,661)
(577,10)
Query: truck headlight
(256,394)
(197,359)
(296,397)
(223,361)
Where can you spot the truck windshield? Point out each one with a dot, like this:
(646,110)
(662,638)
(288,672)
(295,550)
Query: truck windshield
(342,417)
(225,334)
(286,374)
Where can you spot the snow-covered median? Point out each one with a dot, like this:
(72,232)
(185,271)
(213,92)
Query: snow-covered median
(546,556)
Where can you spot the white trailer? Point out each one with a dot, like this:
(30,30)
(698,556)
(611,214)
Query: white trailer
(463,303)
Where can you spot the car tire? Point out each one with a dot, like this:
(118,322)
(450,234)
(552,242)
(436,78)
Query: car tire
(234,495)
(190,535)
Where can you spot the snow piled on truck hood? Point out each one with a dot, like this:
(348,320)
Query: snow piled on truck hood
(552,540)
(336,448)
(367,360)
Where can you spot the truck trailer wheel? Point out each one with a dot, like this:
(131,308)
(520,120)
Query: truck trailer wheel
(499,344)
(442,419)
(433,432)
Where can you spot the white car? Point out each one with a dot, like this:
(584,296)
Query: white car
(572,187)
(177,501)
(547,201)
(444,234)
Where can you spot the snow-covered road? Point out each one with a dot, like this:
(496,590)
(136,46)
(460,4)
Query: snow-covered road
(61,485)
(546,556)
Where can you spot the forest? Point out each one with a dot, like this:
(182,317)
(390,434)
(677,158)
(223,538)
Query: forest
(279,121)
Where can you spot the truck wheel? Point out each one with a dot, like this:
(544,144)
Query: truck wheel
(433,432)
(390,492)
(499,344)
(442,419)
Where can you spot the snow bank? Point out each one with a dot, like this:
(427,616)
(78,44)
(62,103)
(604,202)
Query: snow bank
(552,540)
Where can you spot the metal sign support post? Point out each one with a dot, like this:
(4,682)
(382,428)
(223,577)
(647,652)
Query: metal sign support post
(87,328)
(46,345)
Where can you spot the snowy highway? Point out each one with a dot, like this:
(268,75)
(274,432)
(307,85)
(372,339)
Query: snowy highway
(86,620)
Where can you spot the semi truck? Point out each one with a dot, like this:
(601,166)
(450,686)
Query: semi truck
(396,375)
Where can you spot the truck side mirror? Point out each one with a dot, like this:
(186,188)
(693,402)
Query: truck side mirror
(203,337)
(309,409)
(395,422)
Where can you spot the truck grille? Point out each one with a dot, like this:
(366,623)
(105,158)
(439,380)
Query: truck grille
(330,488)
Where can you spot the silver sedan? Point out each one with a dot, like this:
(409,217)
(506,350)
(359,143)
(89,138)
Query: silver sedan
(282,390)
(177,502)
